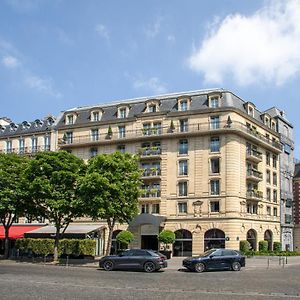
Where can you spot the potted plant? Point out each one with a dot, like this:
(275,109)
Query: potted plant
(109,132)
(166,237)
(124,237)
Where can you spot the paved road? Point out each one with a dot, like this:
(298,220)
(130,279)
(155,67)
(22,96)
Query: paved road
(27,281)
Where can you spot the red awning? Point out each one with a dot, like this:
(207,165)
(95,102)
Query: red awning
(17,231)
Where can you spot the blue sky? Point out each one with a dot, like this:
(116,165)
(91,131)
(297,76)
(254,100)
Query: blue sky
(58,54)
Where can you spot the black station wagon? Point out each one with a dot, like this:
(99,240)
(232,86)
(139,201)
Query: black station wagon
(215,259)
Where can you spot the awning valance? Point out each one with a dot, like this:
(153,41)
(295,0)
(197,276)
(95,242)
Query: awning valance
(18,231)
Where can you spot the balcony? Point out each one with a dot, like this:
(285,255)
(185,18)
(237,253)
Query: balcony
(254,195)
(190,130)
(150,193)
(151,173)
(254,175)
(149,152)
(26,150)
(254,155)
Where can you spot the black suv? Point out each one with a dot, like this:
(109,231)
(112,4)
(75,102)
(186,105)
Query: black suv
(215,259)
(147,260)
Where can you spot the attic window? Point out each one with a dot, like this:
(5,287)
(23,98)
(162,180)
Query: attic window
(183,104)
(152,106)
(123,112)
(273,125)
(38,123)
(25,125)
(267,121)
(2,128)
(214,101)
(70,119)
(13,126)
(250,111)
(96,115)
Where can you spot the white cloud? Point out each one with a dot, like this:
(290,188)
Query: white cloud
(10,62)
(261,48)
(153,29)
(152,85)
(42,85)
(102,31)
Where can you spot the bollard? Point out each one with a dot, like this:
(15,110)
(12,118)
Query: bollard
(268,263)
(286,260)
(279,260)
(67,264)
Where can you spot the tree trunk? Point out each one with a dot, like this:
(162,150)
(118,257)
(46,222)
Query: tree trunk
(6,243)
(110,232)
(56,242)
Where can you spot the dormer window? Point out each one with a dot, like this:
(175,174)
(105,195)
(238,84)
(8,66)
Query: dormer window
(267,121)
(152,106)
(50,121)
(2,128)
(25,125)
(123,112)
(70,119)
(183,104)
(96,115)
(214,101)
(273,125)
(38,123)
(250,107)
(13,126)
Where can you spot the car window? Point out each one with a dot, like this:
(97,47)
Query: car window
(208,252)
(138,252)
(228,252)
(127,253)
(217,253)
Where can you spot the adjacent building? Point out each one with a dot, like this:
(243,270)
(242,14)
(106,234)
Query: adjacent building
(209,160)
(296,190)
(285,129)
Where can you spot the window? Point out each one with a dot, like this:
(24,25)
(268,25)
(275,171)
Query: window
(8,146)
(95,117)
(214,102)
(47,143)
(269,210)
(182,189)
(252,208)
(214,122)
(156,128)
(250,111)
(152,108)
(273,125)
(183,105)
(287,148)
(69,137)
(288,219)
(121,131)
(183,125)
(34,144)
(121,148)
(21,146)
(268,160)
(95,134)
(215,165)
(215,187)
(215,144)
(274,161)
(275,211)
(268,194)
(268,176)
(93,152)
(275,196)
(182,207)
(70,119)
(122,113)
(147,129)
(274,178)
(155,208)
(145,209)
(214,206)
(288,203)
(183,147)
(183,167)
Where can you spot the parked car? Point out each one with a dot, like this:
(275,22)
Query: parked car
(147,260)
(215,259)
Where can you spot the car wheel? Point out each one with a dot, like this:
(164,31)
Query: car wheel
(199,267)
(108,265)
(236,266)
(149,267)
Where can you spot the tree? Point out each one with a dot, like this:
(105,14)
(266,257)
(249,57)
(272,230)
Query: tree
(111,189)
(52,182)
(166,237)
(12,195)
(124,237)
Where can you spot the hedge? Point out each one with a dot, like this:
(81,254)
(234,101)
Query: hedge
(124,237)
(244,246)
(277,246)
(45,247)
(263,246)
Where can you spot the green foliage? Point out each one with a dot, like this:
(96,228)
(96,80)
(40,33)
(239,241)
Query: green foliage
(45,247)
(263,246)
(166,237)
(110,189)
(277,247)
(124,237)
(244,246)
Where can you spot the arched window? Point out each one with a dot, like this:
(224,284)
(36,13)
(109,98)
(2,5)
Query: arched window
(252,239)
(183,243)
(268,236)
(214,238)
(115,246)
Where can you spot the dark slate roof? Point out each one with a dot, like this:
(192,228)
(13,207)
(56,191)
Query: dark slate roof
(275,112)
(24,128)
(168,104)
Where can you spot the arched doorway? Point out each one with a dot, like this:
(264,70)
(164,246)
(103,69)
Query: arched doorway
(115,246)
(251,238)
(183,243)
(214,238)
(268,236)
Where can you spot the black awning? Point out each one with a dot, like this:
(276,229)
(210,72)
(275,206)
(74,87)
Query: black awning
(147,219)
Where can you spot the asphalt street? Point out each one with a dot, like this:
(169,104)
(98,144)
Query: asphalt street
(35,281)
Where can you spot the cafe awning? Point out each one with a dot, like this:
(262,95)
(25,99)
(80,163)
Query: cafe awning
(147,219)
(18,231)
